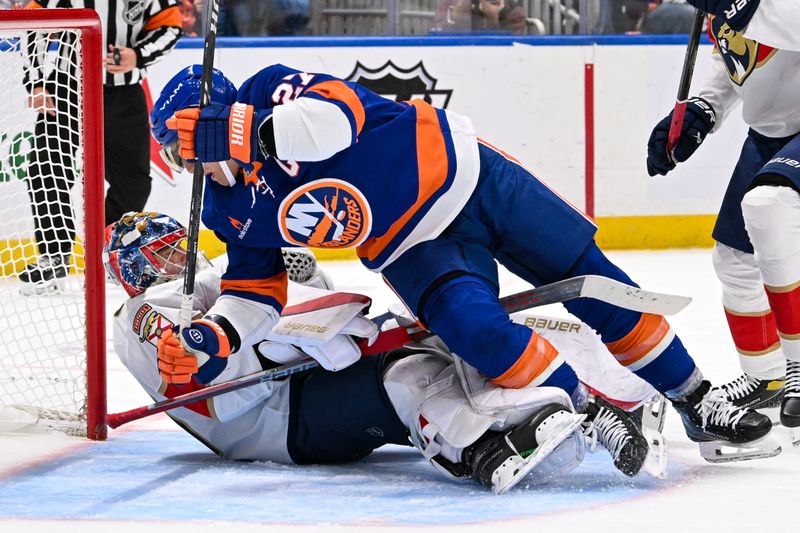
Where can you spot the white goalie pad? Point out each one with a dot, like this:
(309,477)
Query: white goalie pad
(449,406)
(320,324)
(585,352)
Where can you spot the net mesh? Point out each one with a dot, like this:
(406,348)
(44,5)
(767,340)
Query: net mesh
(42,296)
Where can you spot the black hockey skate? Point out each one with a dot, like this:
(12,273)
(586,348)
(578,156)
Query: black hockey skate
(753,393)
(44,275)
(714,422)
(790,406)
(618,431)
(499,460)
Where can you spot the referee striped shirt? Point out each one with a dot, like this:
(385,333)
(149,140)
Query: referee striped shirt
(150,27)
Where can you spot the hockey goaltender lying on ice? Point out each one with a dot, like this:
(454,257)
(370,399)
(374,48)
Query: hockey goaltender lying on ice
(462,422)
(328,163)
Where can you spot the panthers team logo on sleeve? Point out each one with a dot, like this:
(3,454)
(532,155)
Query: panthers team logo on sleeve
(326,213)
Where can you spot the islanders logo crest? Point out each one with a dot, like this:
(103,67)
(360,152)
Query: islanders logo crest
(326,213)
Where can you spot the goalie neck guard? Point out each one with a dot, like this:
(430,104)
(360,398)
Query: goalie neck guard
(143,249)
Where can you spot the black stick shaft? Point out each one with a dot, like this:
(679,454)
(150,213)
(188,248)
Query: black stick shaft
(210,15)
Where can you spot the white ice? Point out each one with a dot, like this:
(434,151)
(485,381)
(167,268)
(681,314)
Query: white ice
(152,477)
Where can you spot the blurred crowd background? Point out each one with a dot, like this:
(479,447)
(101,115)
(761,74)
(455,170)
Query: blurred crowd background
(422,17)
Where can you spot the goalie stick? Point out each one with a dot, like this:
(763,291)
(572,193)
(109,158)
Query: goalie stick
(597,287)
(210,14)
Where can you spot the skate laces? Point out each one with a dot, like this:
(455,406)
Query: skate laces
(792,379)
(740,387)
(716,409)
(609,430)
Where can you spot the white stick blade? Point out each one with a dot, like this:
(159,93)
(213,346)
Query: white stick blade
(622,295)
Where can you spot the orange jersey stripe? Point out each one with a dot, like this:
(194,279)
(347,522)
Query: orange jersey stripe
(337,90)
(34,5)
(534,361)
(432,168)
(648,332)
(168,17)
(276,286)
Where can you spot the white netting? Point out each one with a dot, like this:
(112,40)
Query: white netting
(42,305)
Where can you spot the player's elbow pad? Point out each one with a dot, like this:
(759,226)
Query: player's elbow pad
(308,129)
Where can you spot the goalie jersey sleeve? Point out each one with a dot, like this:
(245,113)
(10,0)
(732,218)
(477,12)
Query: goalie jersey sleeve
(251,423)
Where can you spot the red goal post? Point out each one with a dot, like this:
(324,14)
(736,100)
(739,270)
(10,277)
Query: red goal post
(90,411)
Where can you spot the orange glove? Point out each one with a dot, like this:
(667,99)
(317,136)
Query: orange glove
(185,121)
(175,364)
(199,351)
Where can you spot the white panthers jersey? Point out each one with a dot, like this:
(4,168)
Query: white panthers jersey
(774,23)
(250,423)
(765,79)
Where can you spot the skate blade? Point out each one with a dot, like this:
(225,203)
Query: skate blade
(514,469)
(654,413)
(728,452)
(655,464)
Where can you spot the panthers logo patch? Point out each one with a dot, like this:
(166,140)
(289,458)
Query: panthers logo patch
(326,213)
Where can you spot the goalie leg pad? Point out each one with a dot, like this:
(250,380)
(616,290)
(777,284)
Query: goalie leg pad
(447,416)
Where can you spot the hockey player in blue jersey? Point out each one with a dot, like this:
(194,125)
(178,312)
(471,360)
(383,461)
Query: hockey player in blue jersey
(311,160)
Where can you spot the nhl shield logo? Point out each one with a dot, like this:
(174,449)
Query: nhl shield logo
(399,84)
(134,10)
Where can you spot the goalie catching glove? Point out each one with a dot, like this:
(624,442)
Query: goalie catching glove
(220,132)
(200,351)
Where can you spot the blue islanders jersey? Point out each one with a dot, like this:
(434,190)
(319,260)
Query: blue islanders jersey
(354,170)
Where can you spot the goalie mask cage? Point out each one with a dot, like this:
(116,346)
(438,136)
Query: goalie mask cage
(52,337)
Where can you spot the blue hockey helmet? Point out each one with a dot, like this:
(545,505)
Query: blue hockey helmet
(144,249)
(182,91)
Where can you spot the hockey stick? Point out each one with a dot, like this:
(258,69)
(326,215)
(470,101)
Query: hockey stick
(211,12)
(597,287)
(686,81)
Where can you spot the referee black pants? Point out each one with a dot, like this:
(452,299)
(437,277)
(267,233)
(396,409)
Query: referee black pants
(52,161)
(127,150)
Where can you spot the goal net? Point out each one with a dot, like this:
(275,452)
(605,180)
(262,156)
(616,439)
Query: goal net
(52,331)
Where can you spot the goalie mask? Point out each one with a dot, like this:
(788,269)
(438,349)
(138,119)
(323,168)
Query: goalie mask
(182,91)
(143,249)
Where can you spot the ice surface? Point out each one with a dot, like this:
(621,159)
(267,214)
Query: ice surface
(151,477)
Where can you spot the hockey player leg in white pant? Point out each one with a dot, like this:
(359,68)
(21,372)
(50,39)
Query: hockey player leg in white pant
(755,335)
(772,219)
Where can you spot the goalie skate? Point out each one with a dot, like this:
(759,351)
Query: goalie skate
(724,432)
(500,460)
